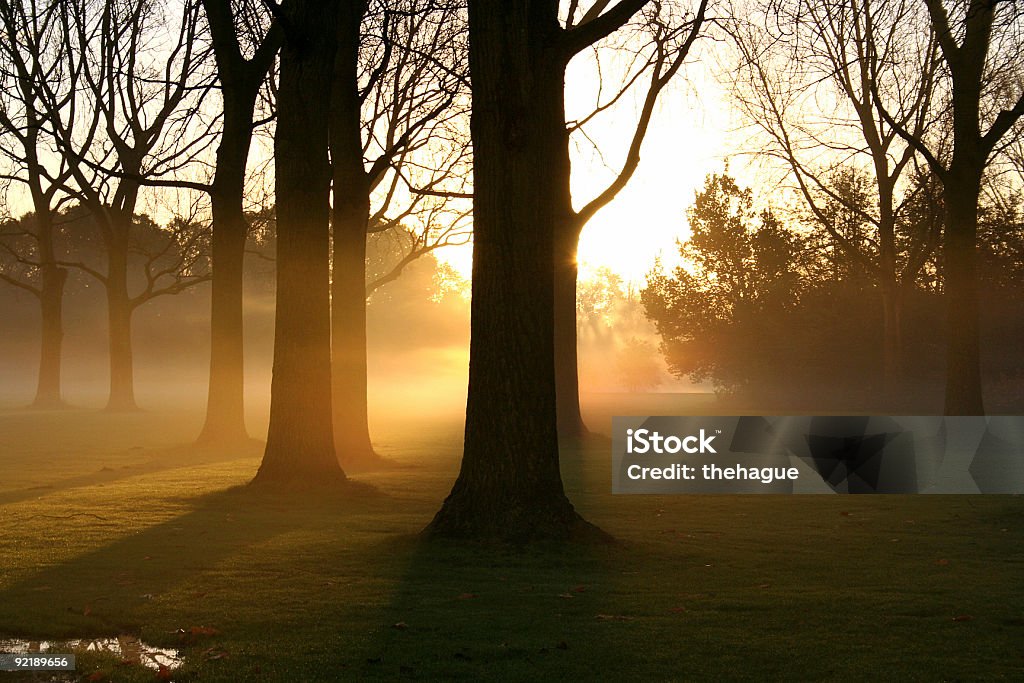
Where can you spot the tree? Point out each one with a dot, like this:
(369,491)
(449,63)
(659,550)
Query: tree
(300,440)
(30,53)
(398,75)
(123,111)
(670,43)
(509,484)
(980,44)
(807,77)
(240,80)
(718,313)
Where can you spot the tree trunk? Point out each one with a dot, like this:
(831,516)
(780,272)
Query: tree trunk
(892,333)
(300,440)
(348,282)
(509,486)
(567,383)
(51,304)
(963,361)
(119,319)
(225,405)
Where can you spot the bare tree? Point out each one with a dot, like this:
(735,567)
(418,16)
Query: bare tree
(981,48)
(242,68)
(128,117)
(807,74)
(509,484)
(397,147)
(669,38)
(31,54)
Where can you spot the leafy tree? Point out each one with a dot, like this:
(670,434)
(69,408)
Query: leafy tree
(741,271)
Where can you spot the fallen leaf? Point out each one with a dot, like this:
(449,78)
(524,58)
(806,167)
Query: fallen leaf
(677,609)
(567,596)
(87,611)
(163,673)
(844,514)
(942,563)
(401,626)
(579,589)
(96,676)
(963,617)
(466,596)
(614,617)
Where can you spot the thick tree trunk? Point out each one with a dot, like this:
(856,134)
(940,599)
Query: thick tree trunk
(509,485)
(119,320)
(963,362)
(300,440)
(567,383)
(51,304)
(225,406)
(348,282)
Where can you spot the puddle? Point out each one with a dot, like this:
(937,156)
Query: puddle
(128,648)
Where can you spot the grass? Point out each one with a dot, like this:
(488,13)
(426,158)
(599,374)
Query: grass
(108,525)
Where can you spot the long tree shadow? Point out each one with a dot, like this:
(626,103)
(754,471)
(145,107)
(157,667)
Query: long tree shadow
(173,570)
(156,460)
(476,611)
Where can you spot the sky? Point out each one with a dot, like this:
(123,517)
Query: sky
(691,135)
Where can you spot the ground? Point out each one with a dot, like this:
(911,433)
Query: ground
(110,525)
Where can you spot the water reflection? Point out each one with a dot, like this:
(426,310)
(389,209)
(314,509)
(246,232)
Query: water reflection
(127,647)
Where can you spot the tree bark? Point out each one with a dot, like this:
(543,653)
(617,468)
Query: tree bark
(567,383)
(300,441)
(509,486)
(51,305)
(351,193)
(51,310)
(963,360)
(225,406)
(119,318)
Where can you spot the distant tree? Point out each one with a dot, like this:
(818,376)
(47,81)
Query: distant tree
(741,272)
(122,111)
(300,439)
(31,51)
(806,76)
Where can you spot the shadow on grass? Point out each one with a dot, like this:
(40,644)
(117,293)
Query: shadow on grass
(159,460)
(167,570)
(472,611)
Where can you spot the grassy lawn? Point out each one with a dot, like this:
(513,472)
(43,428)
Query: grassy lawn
(108,526)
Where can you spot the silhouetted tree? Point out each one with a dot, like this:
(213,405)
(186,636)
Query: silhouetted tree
(721,310)
(670,40)
(807,70)
(300,440)
(123,111)
(398,73)
(509,485)
(240,78)
(980,43)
